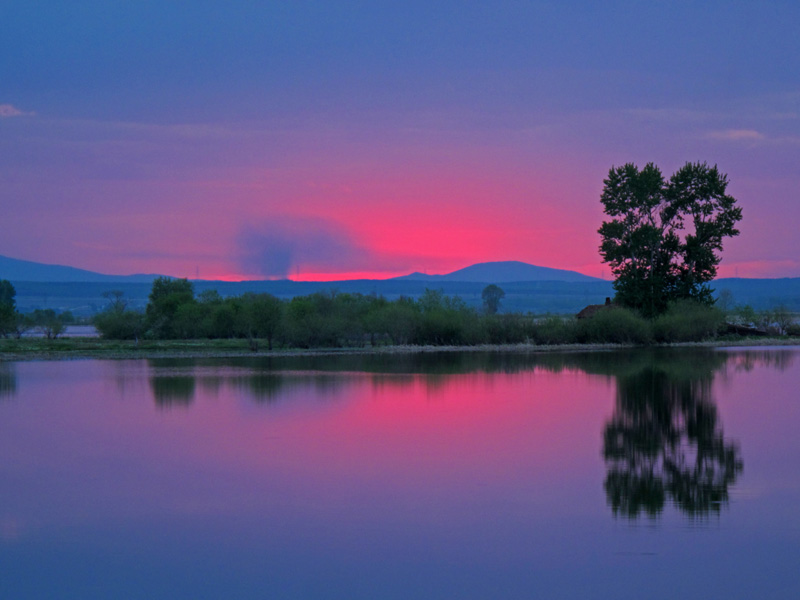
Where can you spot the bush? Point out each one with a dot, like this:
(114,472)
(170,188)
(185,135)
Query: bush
(119,325)
(399,320)
(687,321)
(50,323)
(504,329)
(782,318)
(555,330)
(614,325)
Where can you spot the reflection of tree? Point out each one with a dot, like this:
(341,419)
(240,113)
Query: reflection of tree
(8,381)
(664,441)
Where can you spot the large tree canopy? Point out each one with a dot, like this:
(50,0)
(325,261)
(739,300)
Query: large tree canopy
(168,298)
(664,237)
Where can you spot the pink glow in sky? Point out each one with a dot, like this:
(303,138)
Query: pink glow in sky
(318,142)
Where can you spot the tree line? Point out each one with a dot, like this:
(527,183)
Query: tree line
(339,320)
(15,324)
(323,319)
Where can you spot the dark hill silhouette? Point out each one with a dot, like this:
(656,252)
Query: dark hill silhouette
(503,272)
(488,272)
(67,288)
(15,269)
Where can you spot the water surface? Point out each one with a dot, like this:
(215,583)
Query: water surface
(657,474)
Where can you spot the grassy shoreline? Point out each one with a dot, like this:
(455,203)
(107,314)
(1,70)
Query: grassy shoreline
(95,348)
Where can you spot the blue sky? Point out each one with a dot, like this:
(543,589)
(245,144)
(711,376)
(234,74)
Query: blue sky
(152,136)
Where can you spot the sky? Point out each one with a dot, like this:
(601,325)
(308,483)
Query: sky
(335,140)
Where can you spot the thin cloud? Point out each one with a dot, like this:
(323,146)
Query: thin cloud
(671,115)
(9,110)
(737,135)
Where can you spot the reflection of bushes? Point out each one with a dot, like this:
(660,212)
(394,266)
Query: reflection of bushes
(8,381)
(169,391)
(680,362)
(262,387)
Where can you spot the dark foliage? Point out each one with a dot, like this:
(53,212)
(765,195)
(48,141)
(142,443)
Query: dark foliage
(339,320)
(8,308)
(664,237)
(491,296)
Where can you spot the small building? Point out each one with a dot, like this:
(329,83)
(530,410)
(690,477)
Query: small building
(593,309)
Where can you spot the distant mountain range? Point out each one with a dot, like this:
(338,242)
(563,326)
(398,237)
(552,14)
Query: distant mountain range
(528,288)
(488,272)
(502,272)
(14,269)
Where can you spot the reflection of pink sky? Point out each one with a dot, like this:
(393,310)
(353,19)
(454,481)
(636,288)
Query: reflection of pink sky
(388,479)
(86,441)
(770,459)
(107,451)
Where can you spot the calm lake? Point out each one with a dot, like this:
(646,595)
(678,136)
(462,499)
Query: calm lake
(637,474)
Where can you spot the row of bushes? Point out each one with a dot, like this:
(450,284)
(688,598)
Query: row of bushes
(46,321)
(15,324)
(318,320)
(353,320)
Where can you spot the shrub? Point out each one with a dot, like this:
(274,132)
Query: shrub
(782,318)
(614,325)
(687,321)
(504,329)
(555,330)
(50,323)
(793,330)
(399,320)
(119,325)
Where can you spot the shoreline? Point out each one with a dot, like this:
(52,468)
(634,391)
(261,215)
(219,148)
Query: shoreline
(79,349)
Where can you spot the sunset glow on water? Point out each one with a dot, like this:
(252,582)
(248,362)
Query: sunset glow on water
(439,476)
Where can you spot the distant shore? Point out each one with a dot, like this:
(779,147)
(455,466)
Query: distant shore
(95,348)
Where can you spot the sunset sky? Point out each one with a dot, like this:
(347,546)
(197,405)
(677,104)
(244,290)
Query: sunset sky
(330,140)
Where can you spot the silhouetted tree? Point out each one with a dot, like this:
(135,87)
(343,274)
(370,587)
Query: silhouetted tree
(492,295)
(166,298)
(663,237)
(259,317)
